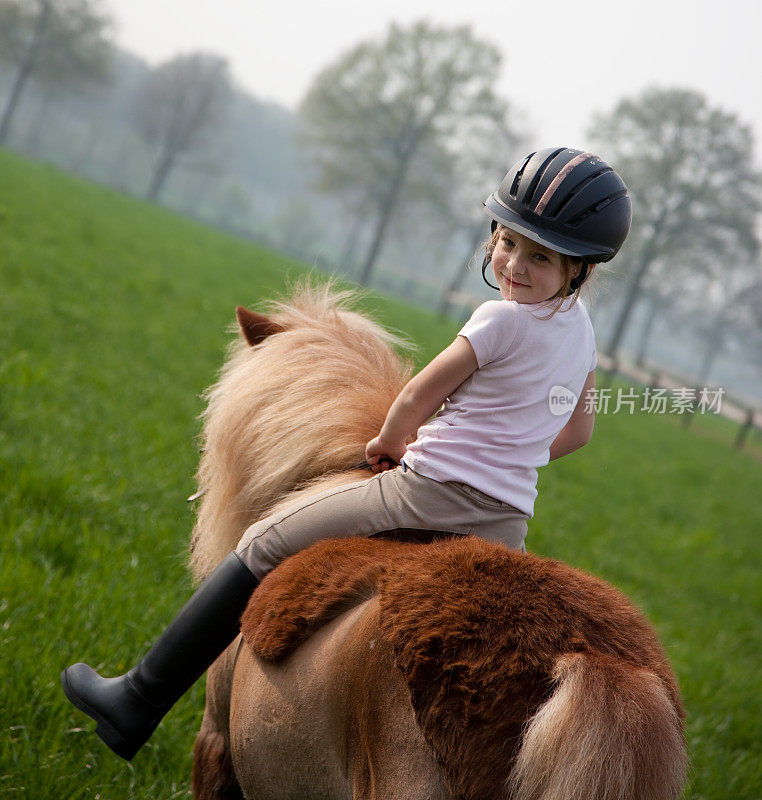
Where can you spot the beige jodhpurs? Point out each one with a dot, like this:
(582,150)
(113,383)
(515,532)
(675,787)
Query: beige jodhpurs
(398,498)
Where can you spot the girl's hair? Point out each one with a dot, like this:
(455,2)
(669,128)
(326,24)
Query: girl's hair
(568,264)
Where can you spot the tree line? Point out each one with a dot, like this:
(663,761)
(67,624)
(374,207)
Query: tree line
(395,145)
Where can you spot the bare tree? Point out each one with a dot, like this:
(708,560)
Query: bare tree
(58,42)
(689,169)
(179,102)
(379,118)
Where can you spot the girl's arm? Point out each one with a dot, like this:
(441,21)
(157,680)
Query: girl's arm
(421,397)
(579,428)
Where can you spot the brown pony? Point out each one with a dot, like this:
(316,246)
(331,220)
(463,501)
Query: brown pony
(397,671)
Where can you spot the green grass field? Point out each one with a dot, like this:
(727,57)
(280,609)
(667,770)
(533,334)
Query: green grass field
(113,319)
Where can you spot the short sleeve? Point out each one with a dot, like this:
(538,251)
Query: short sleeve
(594,362)
(491,330)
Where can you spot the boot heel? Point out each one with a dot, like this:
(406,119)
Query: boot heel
(117,743)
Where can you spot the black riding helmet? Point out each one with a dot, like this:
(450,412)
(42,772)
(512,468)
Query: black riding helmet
(565,199)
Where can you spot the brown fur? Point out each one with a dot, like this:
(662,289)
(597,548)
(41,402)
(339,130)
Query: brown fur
(308,590)
(481,634)
(213,774)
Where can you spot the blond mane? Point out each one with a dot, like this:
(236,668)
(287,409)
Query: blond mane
(301,404)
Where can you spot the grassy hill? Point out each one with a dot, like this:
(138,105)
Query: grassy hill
(113,317)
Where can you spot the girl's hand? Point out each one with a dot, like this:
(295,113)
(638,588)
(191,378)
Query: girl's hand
(382,455)
(419,399)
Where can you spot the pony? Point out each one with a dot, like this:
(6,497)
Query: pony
(396,669)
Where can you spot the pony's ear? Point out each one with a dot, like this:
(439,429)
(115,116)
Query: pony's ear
(255,327)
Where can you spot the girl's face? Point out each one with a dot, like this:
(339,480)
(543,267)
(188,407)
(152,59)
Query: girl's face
(526,271)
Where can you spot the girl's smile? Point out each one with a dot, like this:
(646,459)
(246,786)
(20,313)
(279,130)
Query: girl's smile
(515,283)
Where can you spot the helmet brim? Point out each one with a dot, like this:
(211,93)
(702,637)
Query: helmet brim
(555,241)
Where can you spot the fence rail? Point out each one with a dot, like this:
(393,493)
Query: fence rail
(745,414)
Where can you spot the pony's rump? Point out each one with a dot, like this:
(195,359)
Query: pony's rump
(486,638)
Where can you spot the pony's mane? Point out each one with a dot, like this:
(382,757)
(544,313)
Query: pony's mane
(301,404)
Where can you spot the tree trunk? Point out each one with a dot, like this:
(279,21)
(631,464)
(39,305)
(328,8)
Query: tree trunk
(461,272)
(163,168)
(634,289)
(346,260)
(645,335)
(388,205)
(630,299)
(26,67)
(384,216)
(715,342)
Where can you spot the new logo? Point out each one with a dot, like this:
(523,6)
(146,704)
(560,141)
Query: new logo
(561,400)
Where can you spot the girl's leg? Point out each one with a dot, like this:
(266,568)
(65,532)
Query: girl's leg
(387,501)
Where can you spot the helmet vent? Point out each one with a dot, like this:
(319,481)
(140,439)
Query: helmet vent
(529,196)
(517,178)
(574,191)
(577,219)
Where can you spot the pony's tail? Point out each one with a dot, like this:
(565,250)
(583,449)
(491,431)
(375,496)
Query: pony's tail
(609,731)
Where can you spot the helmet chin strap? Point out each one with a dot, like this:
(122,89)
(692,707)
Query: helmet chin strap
(575,283)
(487,261)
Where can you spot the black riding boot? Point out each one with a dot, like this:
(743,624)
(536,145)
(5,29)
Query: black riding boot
(128,708)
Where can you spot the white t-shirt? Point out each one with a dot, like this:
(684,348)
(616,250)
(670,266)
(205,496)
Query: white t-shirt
(496,428)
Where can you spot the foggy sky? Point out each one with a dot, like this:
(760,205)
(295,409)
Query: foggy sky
(562,60)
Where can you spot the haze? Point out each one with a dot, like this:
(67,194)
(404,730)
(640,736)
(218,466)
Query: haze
(562,61)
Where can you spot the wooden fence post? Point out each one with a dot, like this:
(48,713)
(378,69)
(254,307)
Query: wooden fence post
(743,431)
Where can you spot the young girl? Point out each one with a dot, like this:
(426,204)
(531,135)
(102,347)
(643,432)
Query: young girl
(472,468)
